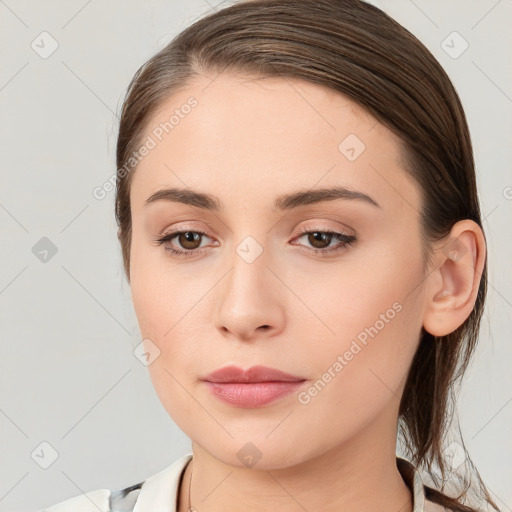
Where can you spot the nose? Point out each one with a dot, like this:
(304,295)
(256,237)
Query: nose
(250,303)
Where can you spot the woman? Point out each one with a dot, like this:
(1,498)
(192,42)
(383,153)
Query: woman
(301,231)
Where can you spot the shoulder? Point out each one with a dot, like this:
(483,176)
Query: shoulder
(421,496)
(99,500)
(155,490)
(430,506)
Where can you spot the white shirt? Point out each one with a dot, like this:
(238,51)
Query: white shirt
(159,493)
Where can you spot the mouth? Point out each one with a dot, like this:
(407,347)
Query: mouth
(254,387)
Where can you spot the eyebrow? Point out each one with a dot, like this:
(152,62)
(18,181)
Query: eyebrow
(282,203)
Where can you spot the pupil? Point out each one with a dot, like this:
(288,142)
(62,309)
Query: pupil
(320,237)
(190,237)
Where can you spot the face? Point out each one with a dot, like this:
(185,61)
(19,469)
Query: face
(329,291)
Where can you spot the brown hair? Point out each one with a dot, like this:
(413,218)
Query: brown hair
(354,48)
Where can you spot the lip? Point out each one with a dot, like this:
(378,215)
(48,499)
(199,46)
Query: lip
(255,387)
(253,374)
(252,394)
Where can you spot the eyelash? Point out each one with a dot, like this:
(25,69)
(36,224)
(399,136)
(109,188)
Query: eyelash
(346,240)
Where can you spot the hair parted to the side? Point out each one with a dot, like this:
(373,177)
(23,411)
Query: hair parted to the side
(356,49)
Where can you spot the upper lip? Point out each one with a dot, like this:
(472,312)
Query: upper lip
(252,374)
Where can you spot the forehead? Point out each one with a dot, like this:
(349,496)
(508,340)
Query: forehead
(231,133)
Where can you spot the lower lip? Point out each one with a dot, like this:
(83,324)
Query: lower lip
(253,394)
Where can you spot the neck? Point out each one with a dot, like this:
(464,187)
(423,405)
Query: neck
(360,474)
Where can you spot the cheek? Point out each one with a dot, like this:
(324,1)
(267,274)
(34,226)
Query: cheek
(154,297)
(365,291)
(164,307)
(370,315)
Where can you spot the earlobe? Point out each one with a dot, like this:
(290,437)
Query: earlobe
(452,287)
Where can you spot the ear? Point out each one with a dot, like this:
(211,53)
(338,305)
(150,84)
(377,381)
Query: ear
(452,286)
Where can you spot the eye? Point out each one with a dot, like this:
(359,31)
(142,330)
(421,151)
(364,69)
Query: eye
(321,239)
(188,239)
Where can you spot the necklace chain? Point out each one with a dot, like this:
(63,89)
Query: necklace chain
(190,507)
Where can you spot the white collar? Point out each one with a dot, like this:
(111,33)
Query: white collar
(159,489)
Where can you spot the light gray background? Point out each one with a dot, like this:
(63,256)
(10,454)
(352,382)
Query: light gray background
(68,373)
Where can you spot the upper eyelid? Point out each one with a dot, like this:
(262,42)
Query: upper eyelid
(298,234)
(318,227)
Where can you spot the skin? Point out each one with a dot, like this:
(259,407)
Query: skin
(246,142)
